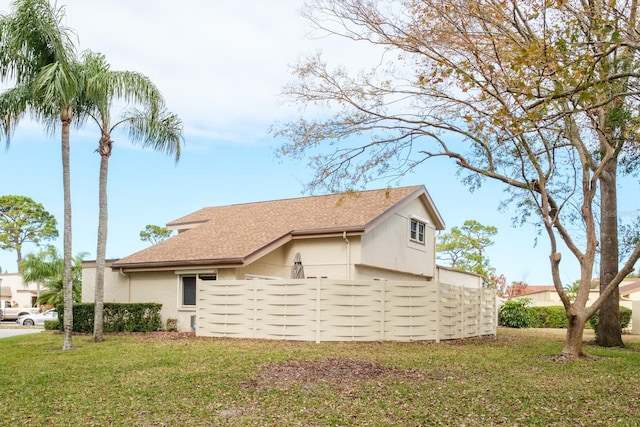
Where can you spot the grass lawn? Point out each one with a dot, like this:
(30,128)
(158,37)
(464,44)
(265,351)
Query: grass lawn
(149,380)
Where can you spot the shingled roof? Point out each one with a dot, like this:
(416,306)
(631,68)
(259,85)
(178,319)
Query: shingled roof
(235,234)
(630,288)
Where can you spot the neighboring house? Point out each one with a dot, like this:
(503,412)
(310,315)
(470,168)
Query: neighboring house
(16,293)
(362,238)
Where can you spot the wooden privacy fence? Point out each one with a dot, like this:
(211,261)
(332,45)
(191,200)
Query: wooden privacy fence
(343,310)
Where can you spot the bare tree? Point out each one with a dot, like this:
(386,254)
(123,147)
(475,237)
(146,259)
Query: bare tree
(540,96)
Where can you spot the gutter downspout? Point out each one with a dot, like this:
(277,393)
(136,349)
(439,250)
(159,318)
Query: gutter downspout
(344,236)
(122,273)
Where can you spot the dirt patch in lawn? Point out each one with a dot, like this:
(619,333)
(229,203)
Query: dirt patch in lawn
(159,335)
(341,372)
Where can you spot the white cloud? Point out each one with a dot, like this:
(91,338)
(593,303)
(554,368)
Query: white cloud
(219,63)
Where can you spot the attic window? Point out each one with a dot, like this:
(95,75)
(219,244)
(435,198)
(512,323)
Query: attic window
(416,233)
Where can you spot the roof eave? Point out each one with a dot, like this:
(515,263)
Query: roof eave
(172,265)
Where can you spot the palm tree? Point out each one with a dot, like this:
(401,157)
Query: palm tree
(46,269)
(151,126)
(38,56)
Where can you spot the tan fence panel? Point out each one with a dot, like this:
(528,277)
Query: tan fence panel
(411,313)
(450,312)
(351,310)
(471,300)
(488,313)
(285,310)
(344,310)
(227,309)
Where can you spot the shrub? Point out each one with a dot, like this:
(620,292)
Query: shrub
(549,317)
(172,325)
(515,313)
(625,318)
(133,317)
(51,325)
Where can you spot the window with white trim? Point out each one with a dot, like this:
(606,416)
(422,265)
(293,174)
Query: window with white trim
(188,290)
(417,231)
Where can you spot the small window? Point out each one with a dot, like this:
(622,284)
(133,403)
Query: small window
(417,231)
(188,290)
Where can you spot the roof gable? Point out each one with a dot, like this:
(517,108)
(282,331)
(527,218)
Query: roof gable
(230,234)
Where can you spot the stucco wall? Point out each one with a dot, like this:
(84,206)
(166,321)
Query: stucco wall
(364,272)
(271,265)
(158,287)
(455,277)
(332,257)
(116,285)
(388,245)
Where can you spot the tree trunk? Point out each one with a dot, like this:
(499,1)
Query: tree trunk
(19,258)
(98,324)
(67,253)
(609,332)
(573,341)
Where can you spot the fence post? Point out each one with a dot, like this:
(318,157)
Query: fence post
(255,308)
(462,311)
(318,308)
(383,307)
(479,310)
(438,311)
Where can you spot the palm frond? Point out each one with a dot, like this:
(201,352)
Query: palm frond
(34,35)
(13,106)
(56,85)
(158,130)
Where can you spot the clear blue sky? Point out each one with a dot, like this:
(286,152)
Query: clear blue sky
(221,66)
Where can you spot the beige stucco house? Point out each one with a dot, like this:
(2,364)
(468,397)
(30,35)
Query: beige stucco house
(363,238)
(16,293)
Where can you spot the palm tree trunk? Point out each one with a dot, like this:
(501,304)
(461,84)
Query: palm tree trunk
(98,325)
(65,117)
(609,332)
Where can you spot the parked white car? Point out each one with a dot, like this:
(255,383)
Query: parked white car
(38,318)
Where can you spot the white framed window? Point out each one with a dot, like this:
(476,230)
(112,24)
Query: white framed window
(188,291)
(417,231)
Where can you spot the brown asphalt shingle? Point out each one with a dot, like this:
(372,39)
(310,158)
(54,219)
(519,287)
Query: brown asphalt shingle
(226,234)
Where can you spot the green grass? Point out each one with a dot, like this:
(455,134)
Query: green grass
(131,380)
